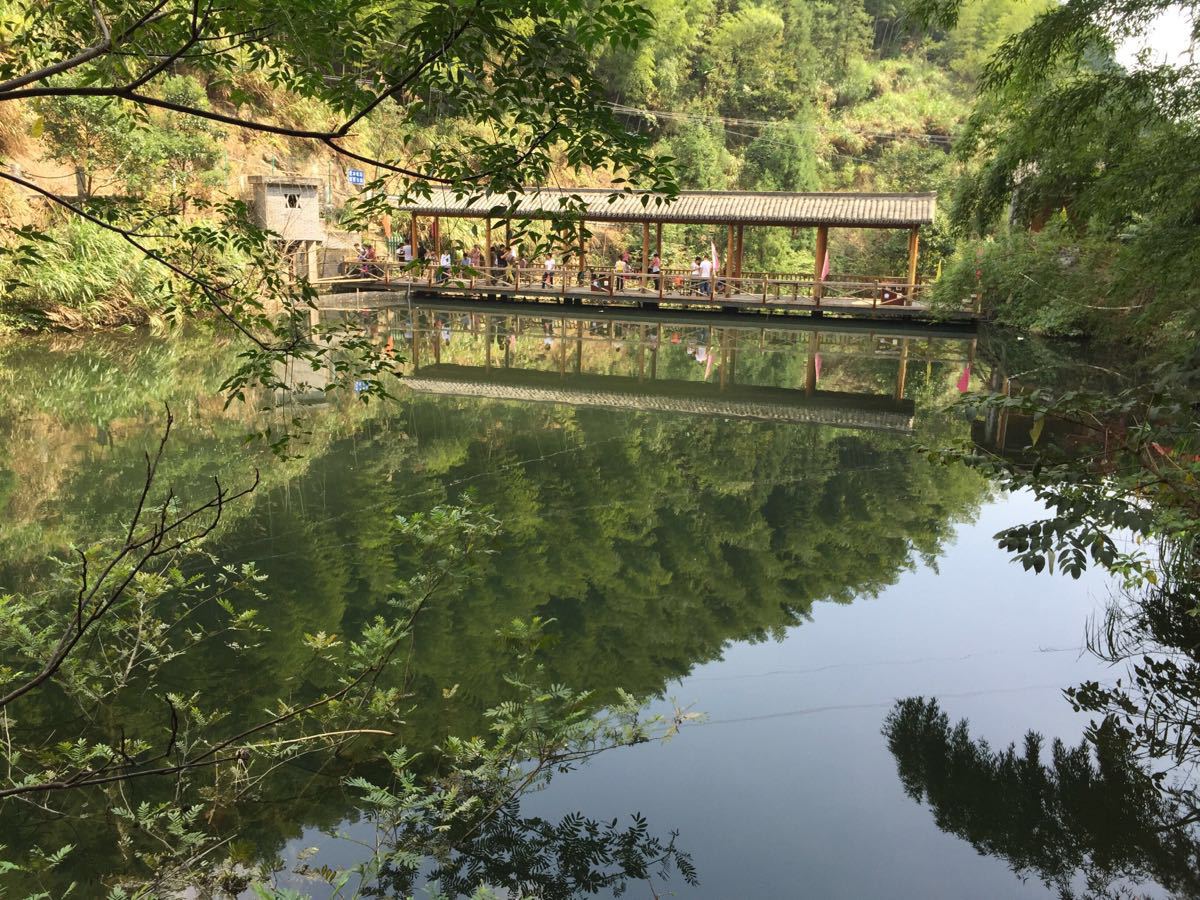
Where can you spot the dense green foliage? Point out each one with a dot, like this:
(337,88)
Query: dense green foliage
(1103,152)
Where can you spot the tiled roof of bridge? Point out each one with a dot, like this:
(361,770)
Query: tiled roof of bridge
(698,207)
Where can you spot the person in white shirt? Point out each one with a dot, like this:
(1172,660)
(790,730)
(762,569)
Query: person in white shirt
(706,269)
(548,270)
(444,262)
(406,253)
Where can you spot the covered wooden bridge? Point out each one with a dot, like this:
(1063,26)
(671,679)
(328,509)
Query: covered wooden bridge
(580,276)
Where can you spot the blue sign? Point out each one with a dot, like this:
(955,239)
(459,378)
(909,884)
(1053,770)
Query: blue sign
(356,176)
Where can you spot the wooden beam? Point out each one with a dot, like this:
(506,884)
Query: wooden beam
(819,262)
(914,244)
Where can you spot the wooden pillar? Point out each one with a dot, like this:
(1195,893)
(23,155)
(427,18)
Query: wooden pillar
(487,236)
(729,261)
(412,235)
(902,371)
(645,252)
(914,242)
(582,250)
(658,241)
(507,233)
(437,239)
(819,262)
(737,271)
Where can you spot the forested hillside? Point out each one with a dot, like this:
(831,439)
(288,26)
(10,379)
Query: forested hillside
(1065,168)
(775,95)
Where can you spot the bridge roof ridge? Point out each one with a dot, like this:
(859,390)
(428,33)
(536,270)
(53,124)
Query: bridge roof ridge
(795,209)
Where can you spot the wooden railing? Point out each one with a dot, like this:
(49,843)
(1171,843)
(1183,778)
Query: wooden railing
(672,285)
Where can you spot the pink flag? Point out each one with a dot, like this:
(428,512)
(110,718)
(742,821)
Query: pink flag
(964,380)
(716,262)
(817,365)
(825,267)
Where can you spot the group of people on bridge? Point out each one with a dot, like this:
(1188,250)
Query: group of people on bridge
(506,264)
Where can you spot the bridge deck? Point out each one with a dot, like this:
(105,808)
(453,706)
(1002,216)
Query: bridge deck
(859,296)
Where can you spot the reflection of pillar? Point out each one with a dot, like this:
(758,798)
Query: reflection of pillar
(654,353)
(562,346)
(724,357)
(914,242)
(819,262)
(810,375)
(902,371)
(416,343)
(579,348)
(641,352)
(1002,431)
(508,343)
(437,343)
(733,355)
(487,341)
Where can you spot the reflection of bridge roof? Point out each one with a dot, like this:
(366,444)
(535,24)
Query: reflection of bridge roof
(691,207)
(623,392)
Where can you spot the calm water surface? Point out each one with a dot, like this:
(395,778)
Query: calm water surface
(734,521)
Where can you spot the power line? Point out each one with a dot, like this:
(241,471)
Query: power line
(679,116)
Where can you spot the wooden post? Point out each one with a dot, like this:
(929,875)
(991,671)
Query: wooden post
(729,261)
(914,241)
(487,250)
(437,240)
(819,262)
(902,372)
(658,250)
(582,250)
(645,252)
(738,265)
(412,237)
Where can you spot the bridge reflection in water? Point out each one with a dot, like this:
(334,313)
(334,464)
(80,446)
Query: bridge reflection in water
(837,372)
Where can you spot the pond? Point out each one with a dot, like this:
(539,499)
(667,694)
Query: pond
(734,522)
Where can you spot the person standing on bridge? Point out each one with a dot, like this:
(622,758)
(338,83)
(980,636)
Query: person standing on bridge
(655,271)
(444,267)
(548,268)
(706,270)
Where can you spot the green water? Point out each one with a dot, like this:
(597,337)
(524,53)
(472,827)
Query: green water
(737,518)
